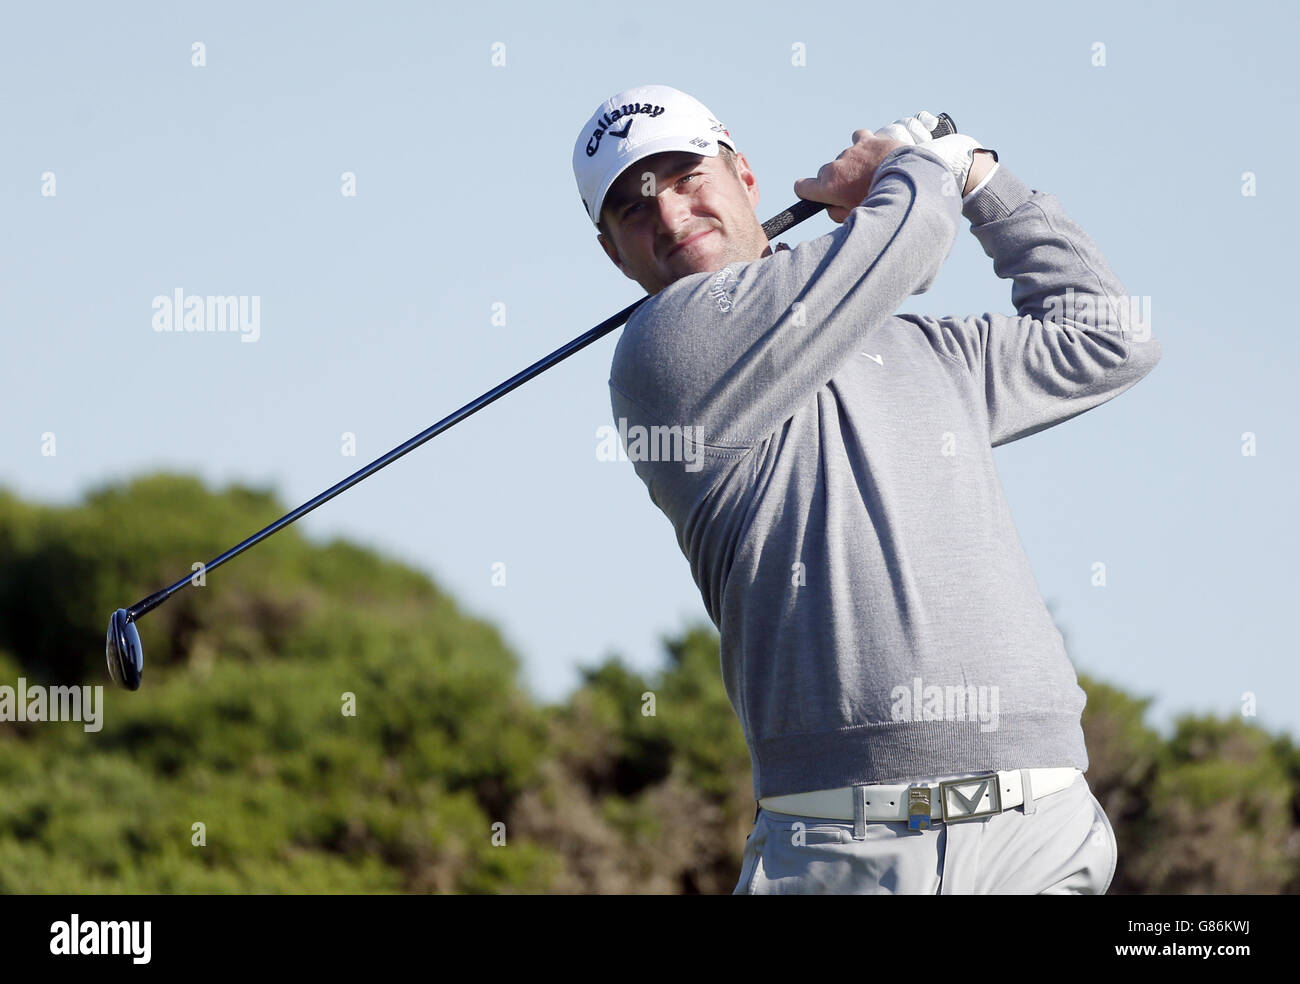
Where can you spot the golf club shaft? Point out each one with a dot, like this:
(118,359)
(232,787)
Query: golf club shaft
(773,227)
(560,354)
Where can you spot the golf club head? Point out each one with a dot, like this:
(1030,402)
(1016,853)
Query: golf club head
(123,651)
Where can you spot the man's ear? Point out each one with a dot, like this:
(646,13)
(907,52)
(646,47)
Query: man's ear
(748,179)
(610,250)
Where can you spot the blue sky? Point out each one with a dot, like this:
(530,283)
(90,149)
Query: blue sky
(376,310)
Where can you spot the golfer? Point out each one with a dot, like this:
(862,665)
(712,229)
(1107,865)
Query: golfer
(912,718)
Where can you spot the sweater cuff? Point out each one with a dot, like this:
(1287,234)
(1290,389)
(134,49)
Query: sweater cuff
(1002,194)
(999,196)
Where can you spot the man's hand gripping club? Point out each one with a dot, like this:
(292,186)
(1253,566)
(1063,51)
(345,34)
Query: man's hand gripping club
(844,182)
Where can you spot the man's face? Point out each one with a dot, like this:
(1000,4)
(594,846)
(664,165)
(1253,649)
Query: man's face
(677,213)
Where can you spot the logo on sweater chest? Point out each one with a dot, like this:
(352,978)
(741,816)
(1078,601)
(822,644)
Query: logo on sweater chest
(719,289)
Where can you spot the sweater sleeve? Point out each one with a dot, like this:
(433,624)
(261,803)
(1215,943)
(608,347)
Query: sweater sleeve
(737,352)
(1077,339)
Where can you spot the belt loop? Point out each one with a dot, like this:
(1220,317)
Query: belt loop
(1028,790)
(757,807)
(859,813)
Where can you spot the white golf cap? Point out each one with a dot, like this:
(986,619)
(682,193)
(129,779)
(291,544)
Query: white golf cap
(632,125)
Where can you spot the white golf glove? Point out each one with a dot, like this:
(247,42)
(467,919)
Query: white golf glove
(912,129)
(956,150)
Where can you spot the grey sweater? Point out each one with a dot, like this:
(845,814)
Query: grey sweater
(833,485)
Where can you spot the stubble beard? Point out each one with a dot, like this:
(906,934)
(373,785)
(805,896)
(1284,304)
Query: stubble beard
(754,247)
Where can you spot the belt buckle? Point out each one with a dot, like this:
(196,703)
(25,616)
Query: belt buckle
(987,783)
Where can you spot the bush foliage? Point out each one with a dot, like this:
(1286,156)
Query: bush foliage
(448,777)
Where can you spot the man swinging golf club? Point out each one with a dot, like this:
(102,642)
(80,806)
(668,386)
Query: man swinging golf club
(912,717)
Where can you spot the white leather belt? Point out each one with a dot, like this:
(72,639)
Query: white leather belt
(963,797)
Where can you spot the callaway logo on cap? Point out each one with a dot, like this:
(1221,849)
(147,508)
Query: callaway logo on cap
(632,125)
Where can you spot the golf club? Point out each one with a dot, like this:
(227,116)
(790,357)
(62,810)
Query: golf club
(123,650)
